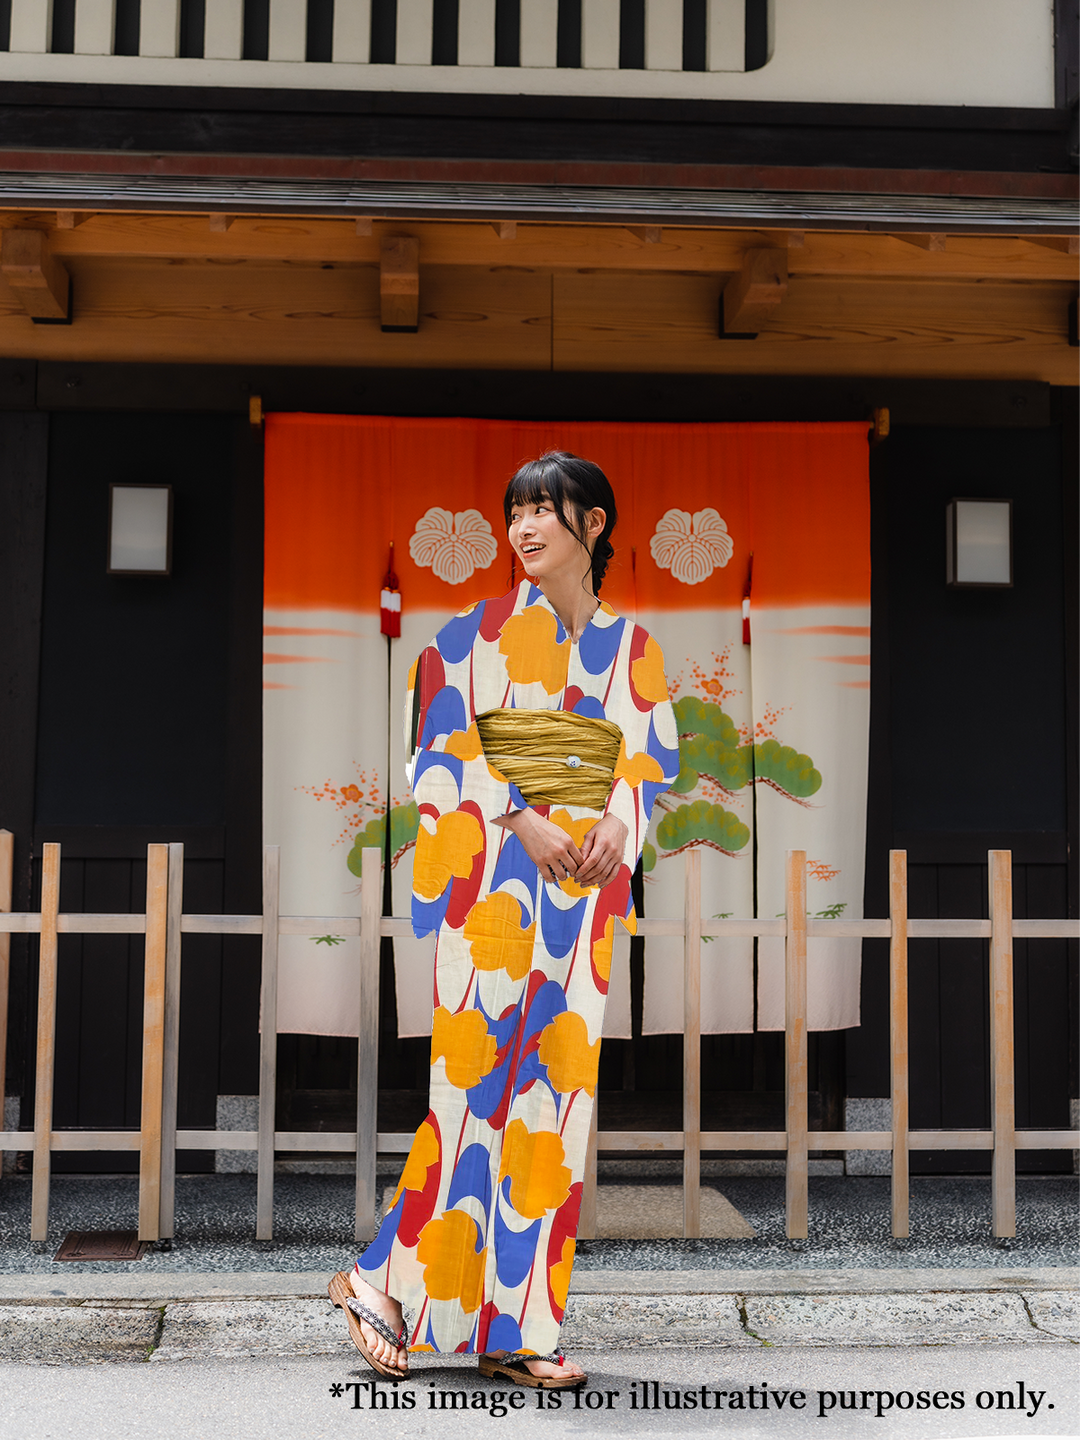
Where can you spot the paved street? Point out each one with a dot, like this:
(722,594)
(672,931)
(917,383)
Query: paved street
(774,1392)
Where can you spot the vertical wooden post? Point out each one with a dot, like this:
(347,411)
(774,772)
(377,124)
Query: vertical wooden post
(1002,1097)
(898,1038)
(264,1201)
(157,909)
(587,1218)
(795,1085)
(7,869)
(692,1047)
(46,1044)
(367,1050)
(170,1075)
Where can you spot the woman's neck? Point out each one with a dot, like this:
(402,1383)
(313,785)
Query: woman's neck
(573,601)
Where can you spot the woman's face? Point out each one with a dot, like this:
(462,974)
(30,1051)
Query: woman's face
(544,545)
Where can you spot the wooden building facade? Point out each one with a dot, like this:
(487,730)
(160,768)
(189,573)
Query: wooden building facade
(562,209)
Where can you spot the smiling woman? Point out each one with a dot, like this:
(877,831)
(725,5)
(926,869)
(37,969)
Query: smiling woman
(529,834)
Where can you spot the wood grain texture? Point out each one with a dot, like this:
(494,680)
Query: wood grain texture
(35,276)
(795,1072)
(550,246)
(302,314)
(367,1057)
(264,1203)
(898,1040)
(692,1047)
(399,283)
(153,1041)
(46,1044)
(756,290)
(1002,1044)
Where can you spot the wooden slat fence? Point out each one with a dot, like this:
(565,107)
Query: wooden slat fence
(164,925)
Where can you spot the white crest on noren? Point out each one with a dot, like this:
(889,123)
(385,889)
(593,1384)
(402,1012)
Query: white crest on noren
(453,544)
(691,546)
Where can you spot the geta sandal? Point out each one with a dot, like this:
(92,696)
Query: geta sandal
(514,1367)
(341,1293)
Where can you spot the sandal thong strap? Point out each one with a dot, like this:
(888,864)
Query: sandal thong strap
(519,1358)
(378,1324)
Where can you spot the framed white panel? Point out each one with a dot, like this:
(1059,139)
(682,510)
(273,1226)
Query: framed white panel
(476,32)
(352,32)
(540,34)
(725,35)
(159,28)
(288,30)
(95,26)
(223,37)
(140,530)
(599,34)
(978,536)
(414,32)
(31,26)
(663,34)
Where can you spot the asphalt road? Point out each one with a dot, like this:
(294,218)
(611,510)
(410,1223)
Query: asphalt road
(311,1398)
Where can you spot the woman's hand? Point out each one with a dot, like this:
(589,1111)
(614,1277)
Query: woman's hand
(550,849)
(602,851)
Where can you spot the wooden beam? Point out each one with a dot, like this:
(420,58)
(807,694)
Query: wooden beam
(219,224)
(505,229)
(935,242)
(399,284)
(365,226)
(647,234)
(72,219)
(751,296)
(39,280)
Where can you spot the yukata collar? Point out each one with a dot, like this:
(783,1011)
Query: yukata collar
(533,595)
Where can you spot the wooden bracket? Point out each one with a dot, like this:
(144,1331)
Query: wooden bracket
(255,411)
(220,223)
(647,234)
(38,279)
(751,296)
(1065,244)
(399,284)
(796,240)
(924,242)
(505,229)
(879,424)
(72,219)
(364,225)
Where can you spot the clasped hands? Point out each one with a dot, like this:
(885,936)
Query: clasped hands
(556,856)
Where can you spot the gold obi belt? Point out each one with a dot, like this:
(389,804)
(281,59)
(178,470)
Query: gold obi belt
(552,756)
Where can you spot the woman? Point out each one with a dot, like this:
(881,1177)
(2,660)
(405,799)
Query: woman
(541,732)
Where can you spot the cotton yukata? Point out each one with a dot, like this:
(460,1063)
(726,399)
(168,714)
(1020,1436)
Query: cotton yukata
(479,1241)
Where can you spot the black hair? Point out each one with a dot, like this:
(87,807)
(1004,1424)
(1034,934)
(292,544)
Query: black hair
(569,482)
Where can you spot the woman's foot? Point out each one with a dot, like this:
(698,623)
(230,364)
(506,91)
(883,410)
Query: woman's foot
(544,1369)
(388,1309)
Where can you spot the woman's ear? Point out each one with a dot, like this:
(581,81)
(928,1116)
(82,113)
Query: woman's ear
(595,521)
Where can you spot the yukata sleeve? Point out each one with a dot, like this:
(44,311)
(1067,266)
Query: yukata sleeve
(648,760)
(457,793)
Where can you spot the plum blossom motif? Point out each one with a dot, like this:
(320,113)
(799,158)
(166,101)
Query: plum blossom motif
(453,544)
(691,546)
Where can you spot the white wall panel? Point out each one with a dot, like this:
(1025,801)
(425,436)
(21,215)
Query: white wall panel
(224,32)
(288,30)
(725,35)
(476,32)
(539,33)
(663,34)
(414,32)
(159,28)
(31,26)
(600,34)
(352,31)
(95,25)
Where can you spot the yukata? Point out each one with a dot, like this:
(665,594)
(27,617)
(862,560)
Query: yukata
(479,1241)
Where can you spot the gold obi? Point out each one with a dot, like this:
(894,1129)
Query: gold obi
(552,756)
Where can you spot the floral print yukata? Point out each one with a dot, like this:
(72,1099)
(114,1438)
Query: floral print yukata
(479,1241)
